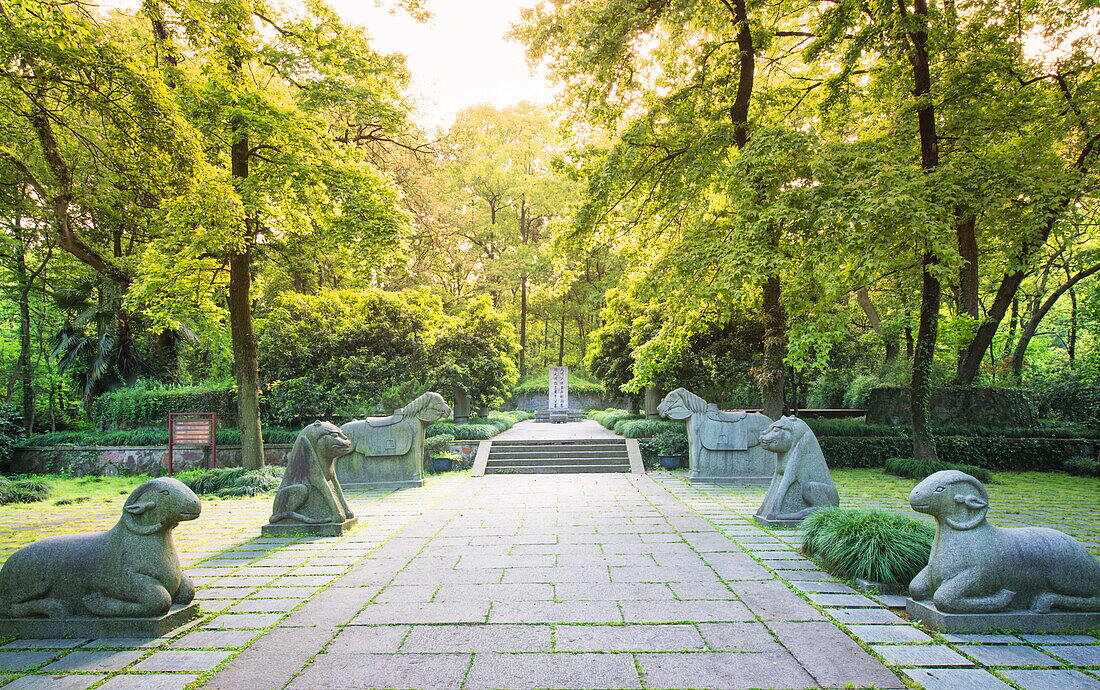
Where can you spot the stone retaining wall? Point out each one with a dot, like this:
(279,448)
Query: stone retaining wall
(988,407)
(577,401)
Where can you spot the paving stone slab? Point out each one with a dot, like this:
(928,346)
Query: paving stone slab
(1008,655)
(982,638)
(1061,639)
(751,636)
(150,681)
(244,620)
(369,639)
(495,592)
(182,660)
(615,591)
(626,638)
(1076,654)
(68,682)
(21,661)
(684,611)
(956,679)
(833,658)
(55,643)
(557,612)
(921,655)
(728,670)
(894,634)
(478,638)
(215,639)
(846,601)
(383,671)
(566,671)
(1059,679)
(866,616)
(774,601)
(451,612)
(80,660)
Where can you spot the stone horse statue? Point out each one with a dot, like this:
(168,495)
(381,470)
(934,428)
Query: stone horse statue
(389,451)
(723,447)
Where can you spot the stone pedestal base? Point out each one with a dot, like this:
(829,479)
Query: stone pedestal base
(325,529)
(396,484)
(741,481)
(1025,621)
(781,524)
(43,628)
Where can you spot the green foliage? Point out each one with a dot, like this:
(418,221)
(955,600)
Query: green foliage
(669,442)
(11,432)
(345,354)
(233,482)
(23,490)
(871,544)
(147,436)
(991,453)
(149,404)
(611,416)
(1068,394)
(859,390)
(434,445)
(644,428)
(912,468)
(579,382)
(479,428)
(475,351)
(1082,467)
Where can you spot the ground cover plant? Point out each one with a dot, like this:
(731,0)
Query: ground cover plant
(870,544)
(579,382)
(911,468)
(23,490)
(233,482)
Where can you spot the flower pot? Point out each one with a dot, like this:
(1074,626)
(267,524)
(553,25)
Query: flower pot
(442,464)
(669,462)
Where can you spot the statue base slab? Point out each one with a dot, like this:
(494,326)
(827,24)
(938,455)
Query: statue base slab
(1057,621)
(781,524)
(324,529)
(49,628)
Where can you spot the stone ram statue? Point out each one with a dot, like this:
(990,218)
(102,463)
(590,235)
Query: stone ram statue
(975,567)
(132,570)
(802,482)
(389,451)
(722,446)
(310,493)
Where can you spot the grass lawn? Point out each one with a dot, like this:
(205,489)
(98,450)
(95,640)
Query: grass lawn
(1016,499)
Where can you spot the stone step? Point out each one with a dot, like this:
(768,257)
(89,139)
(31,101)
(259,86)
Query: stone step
(538,462)
(556,469)
(565,452)
(562,441)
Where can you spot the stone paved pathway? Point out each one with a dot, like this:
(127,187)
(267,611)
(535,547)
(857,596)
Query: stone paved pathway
(519,581)
(531,430)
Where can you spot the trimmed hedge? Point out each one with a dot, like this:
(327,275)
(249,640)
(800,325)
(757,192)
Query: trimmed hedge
(645,428)
(911,468)
(609,417)
(147,436)
(992,453)
(1082,467)
(850,428)
(479,428)
(141,406)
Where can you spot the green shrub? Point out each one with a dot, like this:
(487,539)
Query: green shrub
(23,490)
(609,417)
(911,468)
(669,442)
(851,427)
(646,428)
(859,391)
(434,445)
(579,382)
(228,482)
(1033,454)
(871,544)
(479,428)
(148,436)
(1082,467)
(148,404)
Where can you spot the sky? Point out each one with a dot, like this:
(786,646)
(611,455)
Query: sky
(458,58)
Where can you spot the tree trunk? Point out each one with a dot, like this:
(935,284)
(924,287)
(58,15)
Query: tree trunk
(875,320)
(523,328)
(924,445)
(1071,345)
(23,363)
(966,300)
(771,378)
(1028,330)
(561,335)
(245,362)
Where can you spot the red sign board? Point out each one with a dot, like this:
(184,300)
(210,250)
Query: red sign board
(193,429)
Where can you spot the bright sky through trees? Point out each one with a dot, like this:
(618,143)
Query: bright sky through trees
(458,58)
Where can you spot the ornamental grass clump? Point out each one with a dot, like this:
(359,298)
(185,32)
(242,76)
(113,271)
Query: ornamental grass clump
(872,545)
(232,482)
(911,468)
(23,490)
(1082,467)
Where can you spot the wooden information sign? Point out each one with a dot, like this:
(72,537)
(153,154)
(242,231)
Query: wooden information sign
(193,429)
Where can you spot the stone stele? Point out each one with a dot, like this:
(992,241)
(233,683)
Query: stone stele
(802,482)
(981,577)
(723,447)
(310,500)
(388,452)
(125,582)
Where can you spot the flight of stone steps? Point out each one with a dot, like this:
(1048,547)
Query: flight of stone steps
(558,456)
